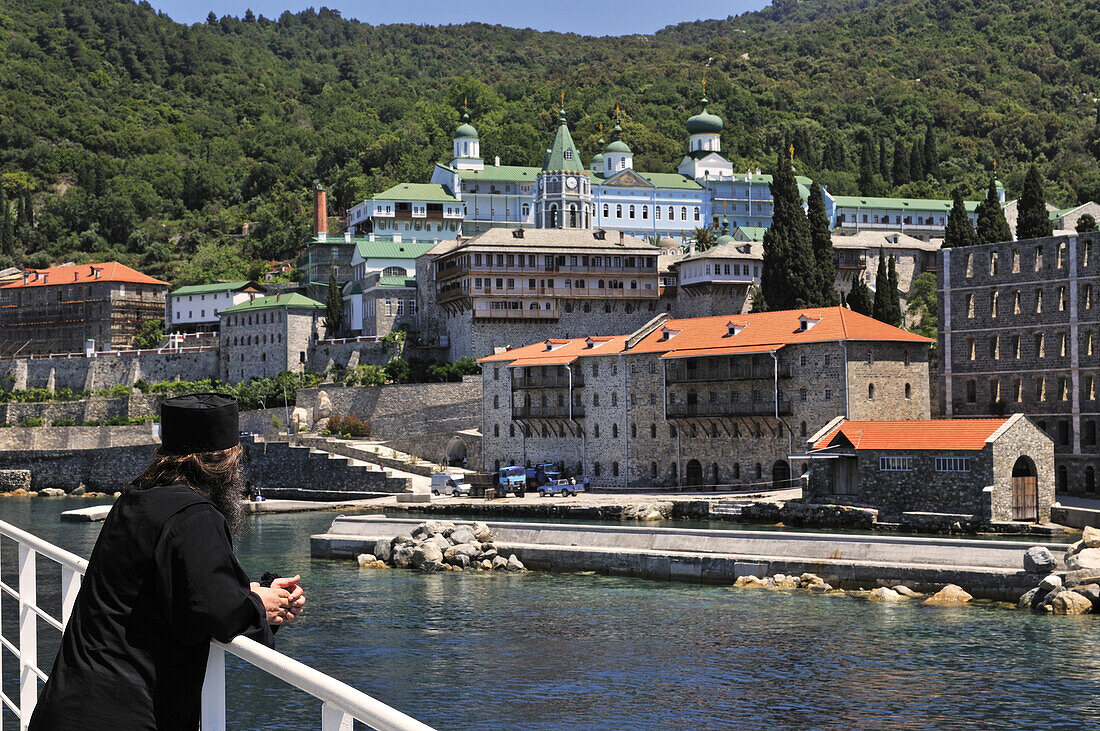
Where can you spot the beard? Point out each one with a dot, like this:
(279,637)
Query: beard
(226,497)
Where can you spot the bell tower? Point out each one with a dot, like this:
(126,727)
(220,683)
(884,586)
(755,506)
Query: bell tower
(563,196)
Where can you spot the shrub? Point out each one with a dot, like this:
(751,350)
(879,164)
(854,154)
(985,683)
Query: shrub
(348,425)
(33,421)
(63,422)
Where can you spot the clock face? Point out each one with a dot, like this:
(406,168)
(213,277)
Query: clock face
(570,183)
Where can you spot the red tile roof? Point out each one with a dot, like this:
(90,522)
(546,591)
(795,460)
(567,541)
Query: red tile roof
(110,271)
(939,434)
(561,352)
(762,332)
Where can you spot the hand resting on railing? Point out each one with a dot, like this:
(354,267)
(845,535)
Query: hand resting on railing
(283,601)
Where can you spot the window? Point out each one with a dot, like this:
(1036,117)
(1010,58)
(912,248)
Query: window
(614,431)
(828,394)
(1016,302)
(1040,346)
(895,464)
(952,464)
(908,391)
(971,391)
(970,305)
(993,305)
(871,391)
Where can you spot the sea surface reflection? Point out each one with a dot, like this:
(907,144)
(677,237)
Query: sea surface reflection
(566,651)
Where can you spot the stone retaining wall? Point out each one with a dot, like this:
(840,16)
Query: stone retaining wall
(90,374)
(296,471)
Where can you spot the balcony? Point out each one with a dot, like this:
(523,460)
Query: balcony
(518,313)
(845,260)
(728,409)
(547,412)
(551,381)
(737,372)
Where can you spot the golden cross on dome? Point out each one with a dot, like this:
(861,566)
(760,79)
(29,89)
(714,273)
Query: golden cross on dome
(792,152)
(704,84)
(563,97)
(616,111)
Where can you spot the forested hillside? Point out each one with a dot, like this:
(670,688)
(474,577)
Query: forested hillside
(126,135)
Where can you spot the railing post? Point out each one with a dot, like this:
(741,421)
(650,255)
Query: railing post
(28,641)
(333,719)
(213,691)
(70,587)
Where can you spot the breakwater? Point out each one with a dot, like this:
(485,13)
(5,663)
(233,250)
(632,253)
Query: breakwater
(989,569)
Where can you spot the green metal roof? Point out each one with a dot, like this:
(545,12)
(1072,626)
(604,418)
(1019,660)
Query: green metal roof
(752,233)
(430,192)
(465,130)
(397,281)
(563,154)
(704,122)
(905,204)
(275,302)
(498,173)
(378,249)
(671,180)
(215,287)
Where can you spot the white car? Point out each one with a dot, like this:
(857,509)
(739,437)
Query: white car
(444,483)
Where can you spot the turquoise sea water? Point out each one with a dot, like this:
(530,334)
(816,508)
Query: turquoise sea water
(564,651)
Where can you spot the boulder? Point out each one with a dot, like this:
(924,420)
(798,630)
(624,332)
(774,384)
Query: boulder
(440,542)
(462,534)
(1088,558)
(1074,578)
(820,587)
(469,550)
(782,581)
(1039,560)
(383,549)
(425,553)
(299,420)
(1028,600)
(1070,602)
(487,555)
(1090,537)
(809,578)
(486,565)
(906,591)
(749,582)
(458,559)
(367,561)
(323,410)
(363,558)
(883,594)
(434,566)
(1074,548)
(515,565)
(80,490)
(482,532)
(1090,592)
(402,555)
(402,540)
(51,492)
(499,562)
(1050,583)
(950,595)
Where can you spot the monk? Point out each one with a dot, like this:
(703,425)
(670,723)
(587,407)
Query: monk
(162,582)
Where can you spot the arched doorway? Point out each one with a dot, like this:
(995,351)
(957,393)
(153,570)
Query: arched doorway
(1025,490)
(694,473)
(456,452)
(781,475)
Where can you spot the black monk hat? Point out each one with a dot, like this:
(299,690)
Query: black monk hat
(198,422)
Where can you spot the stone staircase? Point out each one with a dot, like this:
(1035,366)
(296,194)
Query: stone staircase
(301,471)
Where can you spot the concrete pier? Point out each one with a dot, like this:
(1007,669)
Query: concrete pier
(991,569)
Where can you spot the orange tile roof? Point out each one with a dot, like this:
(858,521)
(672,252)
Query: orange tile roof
(110,271)
(939,434)
(763,332)
(565,352)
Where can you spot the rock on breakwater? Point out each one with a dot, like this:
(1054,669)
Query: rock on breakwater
(440,545)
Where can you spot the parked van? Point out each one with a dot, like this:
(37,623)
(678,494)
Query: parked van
(445,483)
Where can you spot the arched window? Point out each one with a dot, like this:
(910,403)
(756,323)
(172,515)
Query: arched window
(609,163)
(697,213)
(614,469)
(606,210)
(394,272)
(671,213)
(653,470)
(618,211)
(645,213)
(802,429)
(526,208)
(908,391)
(683,213)
(871,391)
(632,211)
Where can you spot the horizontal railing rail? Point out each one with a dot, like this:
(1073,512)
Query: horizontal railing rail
(341,705)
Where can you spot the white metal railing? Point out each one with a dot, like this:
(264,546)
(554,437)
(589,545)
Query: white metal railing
(341,705)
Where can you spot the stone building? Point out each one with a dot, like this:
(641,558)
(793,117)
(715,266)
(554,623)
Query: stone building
(264,336)
(1019,331)
(856,255)
(984,470)
(718,281)
(388,304)
(60,309)
(510,287)
(704,401)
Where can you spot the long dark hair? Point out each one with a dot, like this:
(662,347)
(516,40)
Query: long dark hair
(217,475)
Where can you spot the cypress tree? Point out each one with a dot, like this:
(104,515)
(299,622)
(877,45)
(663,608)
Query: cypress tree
(931,157)
(901,164)
(992,226)
(789,279)
(881,308)
(821,239)
(883,160)
(1033,222)
(866,170)
(334,307)
(1086,223)
(959,231)
(893,299)
(916,163)
(7,234)
(859,297)
(24,215)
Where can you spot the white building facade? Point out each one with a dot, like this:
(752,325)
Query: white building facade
(196,308)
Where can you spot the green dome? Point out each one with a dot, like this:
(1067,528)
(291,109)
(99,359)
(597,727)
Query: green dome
(704,122)
(725,239)
(465,130)
(618,146)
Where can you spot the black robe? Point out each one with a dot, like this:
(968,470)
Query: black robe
(161,582)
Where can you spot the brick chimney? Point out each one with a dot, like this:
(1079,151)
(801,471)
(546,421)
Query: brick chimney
(320,211)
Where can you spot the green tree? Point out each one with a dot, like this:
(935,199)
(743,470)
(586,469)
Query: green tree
(821,239)
(1086,223)
(704,238)
(789,278)
(931,155)
(916,163)
(992,227)
(334,307)
(1033,221)
(859,297)
(883,159)
(7,232)
(923,307)
(893,297)
(398,370)
(150,334)
(867,185)
(881,310)
(959,230)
